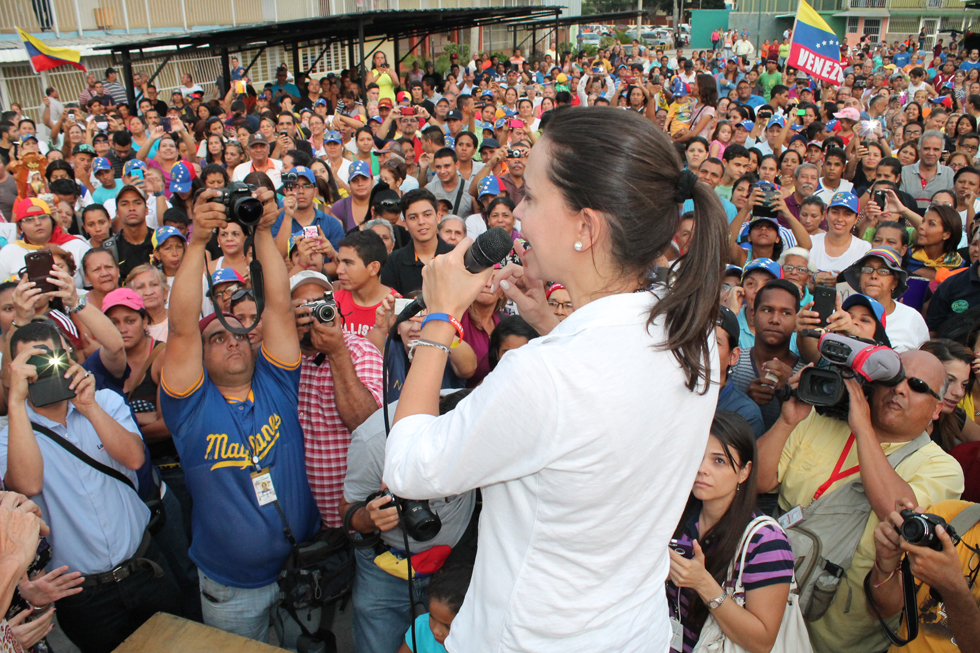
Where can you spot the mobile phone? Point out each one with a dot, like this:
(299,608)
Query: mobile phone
(408,111)
(517,124)
(824,303)
(71,117)
(39,265)
(137,173)
(880,199)
(51,386)
(655,79)
(683,548)
(400,304)
(801,112)
(596,70)
(310,233)
(165,123)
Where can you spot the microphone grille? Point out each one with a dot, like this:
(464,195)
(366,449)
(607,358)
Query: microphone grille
(494,244)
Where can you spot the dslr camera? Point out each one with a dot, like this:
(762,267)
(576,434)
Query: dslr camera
(418,520)
(323,309)
(920,529)
(241,207)
(51,385)
(849,358)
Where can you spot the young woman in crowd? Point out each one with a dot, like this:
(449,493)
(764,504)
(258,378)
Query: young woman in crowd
(695,152)
(954,425)
(937,241)
(720,508)
(231,241)
(97,224)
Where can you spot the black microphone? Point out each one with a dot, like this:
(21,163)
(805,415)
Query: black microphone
(487,250)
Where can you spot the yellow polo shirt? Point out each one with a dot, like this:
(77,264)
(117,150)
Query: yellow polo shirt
(808,459)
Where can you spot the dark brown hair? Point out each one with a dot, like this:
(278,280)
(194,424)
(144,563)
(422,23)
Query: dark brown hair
(636,193)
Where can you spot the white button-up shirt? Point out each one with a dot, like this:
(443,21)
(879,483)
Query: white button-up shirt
(586,443)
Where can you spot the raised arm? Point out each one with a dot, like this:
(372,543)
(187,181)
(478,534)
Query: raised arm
(279,325)
(183,363)
(144,151)
(112,350)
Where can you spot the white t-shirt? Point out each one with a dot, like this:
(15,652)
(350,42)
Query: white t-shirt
(550,474)
(906,328)
(193,89)
(827,194)
(152,219)
(344,172)
(12,257)
(826,263)
(275,172)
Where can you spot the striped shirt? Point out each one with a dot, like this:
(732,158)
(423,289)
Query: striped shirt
(745,371)
(769,561)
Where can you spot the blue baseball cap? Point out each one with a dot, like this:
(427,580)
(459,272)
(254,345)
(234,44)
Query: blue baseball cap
(450,142)
(872,304)
(360,169)
(320,103)
(679,88)
(28,137)
(831,125)
(776,120)
(768,265)
(131,165)
(163,233)
(500,123)
(489,185)
(305,172)
(333,137)
(181,176)
(377,119)
(101,163)
(747,125)
(845,199)
(226,275)
(487,93)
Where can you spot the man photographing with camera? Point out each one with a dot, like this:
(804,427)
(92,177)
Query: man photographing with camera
(99,525)
(809,456)
(948,597)
(235,422)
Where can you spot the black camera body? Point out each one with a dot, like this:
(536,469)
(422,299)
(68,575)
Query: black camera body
(51,385)
(240,206)
(824,388)
(417,517)
(919,529)
(324,310)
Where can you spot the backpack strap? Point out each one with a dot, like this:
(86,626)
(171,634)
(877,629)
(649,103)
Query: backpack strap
(967,519)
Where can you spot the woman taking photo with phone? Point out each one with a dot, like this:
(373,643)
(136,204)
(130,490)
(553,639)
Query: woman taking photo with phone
(382,75)
(721,506)
(577,440)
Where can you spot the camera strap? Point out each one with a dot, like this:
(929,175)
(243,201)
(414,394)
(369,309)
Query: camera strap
(81,455)
(911,607)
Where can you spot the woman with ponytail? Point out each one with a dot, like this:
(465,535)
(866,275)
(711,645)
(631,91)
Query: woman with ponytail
(586,441)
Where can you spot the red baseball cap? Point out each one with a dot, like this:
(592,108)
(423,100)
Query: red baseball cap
(29,206)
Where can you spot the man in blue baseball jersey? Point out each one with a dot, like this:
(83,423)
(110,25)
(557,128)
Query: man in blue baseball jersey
(235,421)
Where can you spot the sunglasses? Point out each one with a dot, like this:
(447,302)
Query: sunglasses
(921,387)
(245,292)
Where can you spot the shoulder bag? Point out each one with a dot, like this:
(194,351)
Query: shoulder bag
(792,636)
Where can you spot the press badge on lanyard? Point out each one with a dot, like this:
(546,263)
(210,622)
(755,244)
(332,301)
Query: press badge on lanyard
(265,491)
(676,635)
(795,516)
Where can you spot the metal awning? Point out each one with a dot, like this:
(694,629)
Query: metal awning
(869,13)
(785,16)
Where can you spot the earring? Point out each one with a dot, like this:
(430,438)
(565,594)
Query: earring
(578,247)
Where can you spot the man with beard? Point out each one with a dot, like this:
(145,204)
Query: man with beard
(807,179)
(339,388)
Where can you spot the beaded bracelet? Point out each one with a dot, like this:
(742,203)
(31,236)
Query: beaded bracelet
(428,343)
(444,317)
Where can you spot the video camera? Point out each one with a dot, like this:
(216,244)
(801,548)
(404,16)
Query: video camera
(849,357)
(51,386)
(418,520)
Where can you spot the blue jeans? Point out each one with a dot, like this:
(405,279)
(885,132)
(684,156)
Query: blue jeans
(247,612)
(382,613)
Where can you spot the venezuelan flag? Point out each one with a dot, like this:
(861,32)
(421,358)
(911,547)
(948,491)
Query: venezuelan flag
(815,48)
(45,58)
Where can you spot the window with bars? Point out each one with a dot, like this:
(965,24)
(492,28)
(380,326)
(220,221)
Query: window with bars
(903,25)
(852,24)
(872,27)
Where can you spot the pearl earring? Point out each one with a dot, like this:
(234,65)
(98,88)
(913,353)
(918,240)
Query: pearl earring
(578,247)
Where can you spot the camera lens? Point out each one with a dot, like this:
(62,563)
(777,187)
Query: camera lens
(247,210)
(325,312)
(824,388)
(913,530)
(420,522)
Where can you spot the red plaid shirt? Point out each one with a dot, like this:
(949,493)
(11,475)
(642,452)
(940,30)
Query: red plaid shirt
(326,438)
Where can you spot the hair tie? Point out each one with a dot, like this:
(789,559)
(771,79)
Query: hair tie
(685,186)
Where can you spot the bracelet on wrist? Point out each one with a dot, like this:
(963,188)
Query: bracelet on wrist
(445,317)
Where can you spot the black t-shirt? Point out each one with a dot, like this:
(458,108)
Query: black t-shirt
(403,270)
(131,256)
(860,81)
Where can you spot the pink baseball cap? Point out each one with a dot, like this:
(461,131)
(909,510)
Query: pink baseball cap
(123,297)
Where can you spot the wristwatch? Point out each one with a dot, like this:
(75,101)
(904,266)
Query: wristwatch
(716,602)
(79,306)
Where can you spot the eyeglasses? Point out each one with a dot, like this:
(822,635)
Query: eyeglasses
(31,219)
(228,292)
(921,387)
(790,269)
(726,287)
(881,272)
(390,205)
(556,304)
(299,186)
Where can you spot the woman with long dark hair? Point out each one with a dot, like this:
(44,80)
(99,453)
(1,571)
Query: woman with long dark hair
(721,506)
(578,440)
(706,90)
(953,424)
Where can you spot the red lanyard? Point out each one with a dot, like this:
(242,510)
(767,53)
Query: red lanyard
(838,474)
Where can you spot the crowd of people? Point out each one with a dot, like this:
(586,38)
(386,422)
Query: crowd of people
(224,275)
